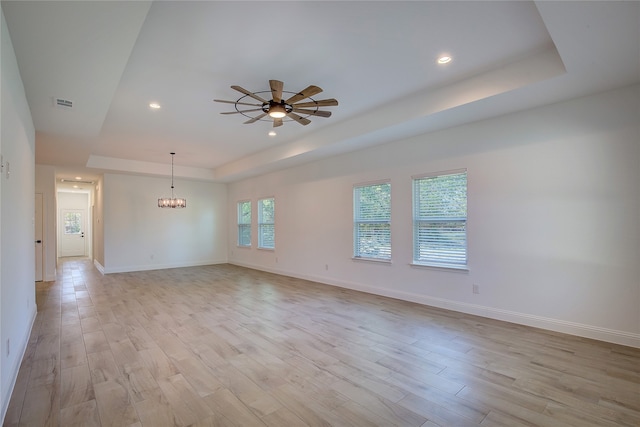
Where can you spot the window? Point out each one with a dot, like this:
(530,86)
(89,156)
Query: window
(266,223)
(372,221)
(440,220)
(72,222)
(244,223)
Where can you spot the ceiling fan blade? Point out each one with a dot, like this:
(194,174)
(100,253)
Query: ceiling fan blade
(237,103)
(321,103)
(310,91)
(312,112)
(243,111)
(277,122)
(253,95)
(299,119)
(276,90)
(255,119)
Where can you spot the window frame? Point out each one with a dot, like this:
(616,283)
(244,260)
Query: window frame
(243,225)
(262,225)
(418,220)
(359,221)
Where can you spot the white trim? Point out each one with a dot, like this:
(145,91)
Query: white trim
(149,267)
(454,267)
(442,173)
(51,277)
(376,260)
(98,266)
(369,183)
(572,328)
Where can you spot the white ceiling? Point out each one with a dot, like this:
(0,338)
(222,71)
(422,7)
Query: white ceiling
(377,58)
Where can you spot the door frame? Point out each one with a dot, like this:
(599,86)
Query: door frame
(88,231)
(63,248)
(39,237)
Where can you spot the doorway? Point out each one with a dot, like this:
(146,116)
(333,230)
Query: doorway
(38,224)
(74,230)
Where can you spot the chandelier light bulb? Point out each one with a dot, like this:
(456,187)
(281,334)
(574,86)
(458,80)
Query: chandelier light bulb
(172,202)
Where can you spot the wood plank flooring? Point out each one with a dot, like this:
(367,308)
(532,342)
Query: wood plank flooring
(228,346)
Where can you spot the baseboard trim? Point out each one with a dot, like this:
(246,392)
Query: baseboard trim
(98,266)
(572,328)
(150,267)
(16,368)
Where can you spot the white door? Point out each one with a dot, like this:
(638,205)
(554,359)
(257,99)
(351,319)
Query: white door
(72,234)
(38,234)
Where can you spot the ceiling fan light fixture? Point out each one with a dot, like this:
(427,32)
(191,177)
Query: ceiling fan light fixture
(277,111)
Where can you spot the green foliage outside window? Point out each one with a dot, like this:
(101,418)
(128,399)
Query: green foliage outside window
(372,221)
(72,222)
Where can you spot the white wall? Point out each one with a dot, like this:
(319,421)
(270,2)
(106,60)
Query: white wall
(45,182)
(138,235)
(17,234)
(553,209)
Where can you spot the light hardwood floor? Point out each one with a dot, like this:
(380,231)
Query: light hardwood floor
(228,346)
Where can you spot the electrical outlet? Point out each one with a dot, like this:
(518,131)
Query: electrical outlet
(476,288)
(326,266)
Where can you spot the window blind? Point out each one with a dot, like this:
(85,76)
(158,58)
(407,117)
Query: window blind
(440,220)
(244,223)
(372,221)
(266,223)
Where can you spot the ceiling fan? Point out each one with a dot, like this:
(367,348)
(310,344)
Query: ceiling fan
(278,108)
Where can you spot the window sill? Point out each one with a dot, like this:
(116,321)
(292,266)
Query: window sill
(267,249)
(448,267)
(243,246)
(376,260)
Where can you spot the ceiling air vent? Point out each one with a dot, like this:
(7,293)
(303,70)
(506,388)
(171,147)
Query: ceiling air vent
(65,103)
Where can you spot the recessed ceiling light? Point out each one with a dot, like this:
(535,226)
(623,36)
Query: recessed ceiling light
(154,105)
(272,133)
(78,177)
(444,59)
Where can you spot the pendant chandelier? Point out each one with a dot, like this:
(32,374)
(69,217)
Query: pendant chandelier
(173,202)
